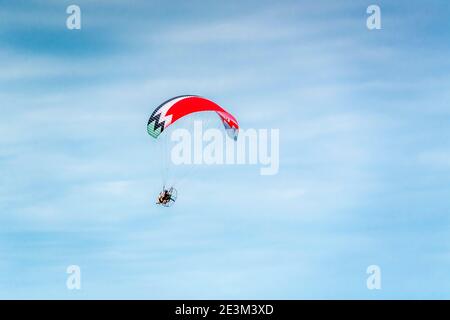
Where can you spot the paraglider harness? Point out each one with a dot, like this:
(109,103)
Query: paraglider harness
(167,197)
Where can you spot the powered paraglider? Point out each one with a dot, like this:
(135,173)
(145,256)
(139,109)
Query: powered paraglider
(171,111)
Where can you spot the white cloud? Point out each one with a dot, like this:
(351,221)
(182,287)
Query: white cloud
(435,158)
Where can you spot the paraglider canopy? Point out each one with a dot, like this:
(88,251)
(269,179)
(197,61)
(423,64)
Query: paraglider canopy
(175,108)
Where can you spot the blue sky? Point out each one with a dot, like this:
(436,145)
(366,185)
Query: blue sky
(364,163)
